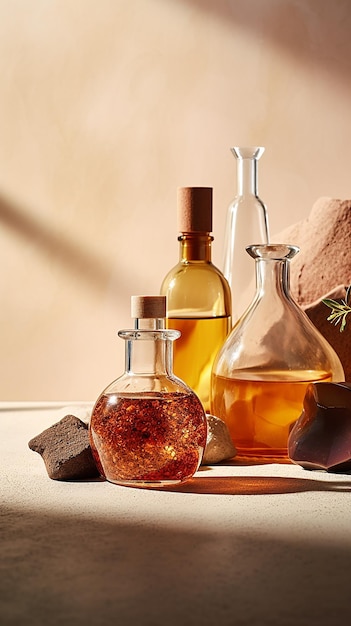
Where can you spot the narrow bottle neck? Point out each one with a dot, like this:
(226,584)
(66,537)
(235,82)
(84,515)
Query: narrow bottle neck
(149,323)
(149,352)
(247,177)
(195,247)
(273,279)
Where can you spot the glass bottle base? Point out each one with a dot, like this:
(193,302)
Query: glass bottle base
(147,484)
(262,455)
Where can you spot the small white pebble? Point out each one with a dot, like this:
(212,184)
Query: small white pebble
(219,445)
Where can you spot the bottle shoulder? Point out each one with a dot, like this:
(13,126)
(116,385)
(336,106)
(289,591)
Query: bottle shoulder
(197,287)
(134,385)
(272,338)
(186,268)
(185,274)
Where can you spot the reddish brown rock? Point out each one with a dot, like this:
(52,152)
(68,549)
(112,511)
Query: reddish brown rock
(318,312)
(322,269)
(324,260)
(65,450)
(321,437)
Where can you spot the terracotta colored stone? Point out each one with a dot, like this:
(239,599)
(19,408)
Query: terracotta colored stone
(65,450)
(219,445)
(318,312)
(321,437)
(322,269)
(324,260)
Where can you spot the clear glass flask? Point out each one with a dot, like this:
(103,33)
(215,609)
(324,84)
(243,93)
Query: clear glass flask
(148,428)
(273,352)
(247,224)
(198,295)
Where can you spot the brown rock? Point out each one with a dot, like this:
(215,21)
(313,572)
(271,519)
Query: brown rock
(318,312)
(219,445)
(324,260)
(65,450)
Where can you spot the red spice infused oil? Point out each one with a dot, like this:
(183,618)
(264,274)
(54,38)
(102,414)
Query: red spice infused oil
(148,428)
(148,438)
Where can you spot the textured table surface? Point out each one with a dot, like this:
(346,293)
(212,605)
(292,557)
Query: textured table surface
(236,545)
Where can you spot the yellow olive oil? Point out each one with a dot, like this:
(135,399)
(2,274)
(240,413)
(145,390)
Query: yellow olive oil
(195,351)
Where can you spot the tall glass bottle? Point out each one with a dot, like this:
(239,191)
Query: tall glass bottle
(198,295)
(247,224)
(274,351)
(148,428)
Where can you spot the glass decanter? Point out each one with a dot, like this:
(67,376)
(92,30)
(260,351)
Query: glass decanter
(198,295)
(273,352)
(247,224)
(148,428)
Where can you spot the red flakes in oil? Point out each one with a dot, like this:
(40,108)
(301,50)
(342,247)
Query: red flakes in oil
(148,438)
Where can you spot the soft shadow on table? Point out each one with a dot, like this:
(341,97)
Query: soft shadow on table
(246,485)
(256,485)
(83,570)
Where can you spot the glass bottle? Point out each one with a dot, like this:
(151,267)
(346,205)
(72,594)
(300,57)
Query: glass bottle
(147,427)
(247,224)
(198,295)
(261,373)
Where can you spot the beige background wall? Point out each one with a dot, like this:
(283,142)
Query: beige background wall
(106,106)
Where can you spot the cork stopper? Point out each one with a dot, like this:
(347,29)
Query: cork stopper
(148,307)
(194,209)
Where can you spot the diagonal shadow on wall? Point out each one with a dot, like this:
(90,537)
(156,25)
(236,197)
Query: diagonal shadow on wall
(71,253)
(316,32)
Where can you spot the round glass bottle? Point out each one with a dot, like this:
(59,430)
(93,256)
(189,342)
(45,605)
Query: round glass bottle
(148,428)
(247,224)
(260,375)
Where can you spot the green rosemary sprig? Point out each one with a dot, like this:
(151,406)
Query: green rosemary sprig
(339,309)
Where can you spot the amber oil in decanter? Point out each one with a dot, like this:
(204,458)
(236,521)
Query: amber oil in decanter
(268,404)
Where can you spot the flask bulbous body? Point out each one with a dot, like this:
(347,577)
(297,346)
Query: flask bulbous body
(148,428)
